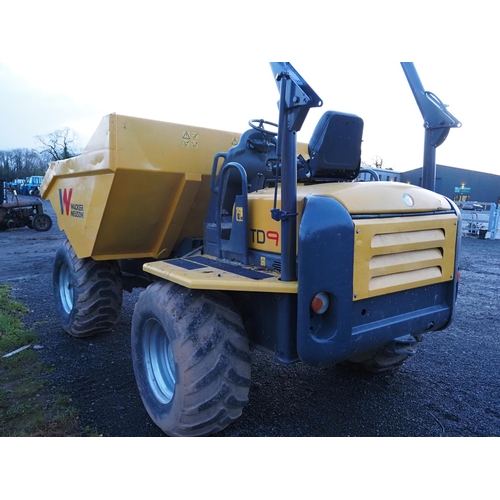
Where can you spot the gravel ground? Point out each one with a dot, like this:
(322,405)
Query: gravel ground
(450,388)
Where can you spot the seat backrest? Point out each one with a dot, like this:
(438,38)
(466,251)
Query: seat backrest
(335,147)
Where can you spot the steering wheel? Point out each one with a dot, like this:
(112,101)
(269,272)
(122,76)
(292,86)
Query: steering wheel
(259,125)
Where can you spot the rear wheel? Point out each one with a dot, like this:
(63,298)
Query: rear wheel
(88,293)
(385,358)
(191,359)
(41,222)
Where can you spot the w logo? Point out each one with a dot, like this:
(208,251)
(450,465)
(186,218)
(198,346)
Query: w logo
(65,200)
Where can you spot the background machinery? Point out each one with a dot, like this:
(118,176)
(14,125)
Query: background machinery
(20,211)
(250,241)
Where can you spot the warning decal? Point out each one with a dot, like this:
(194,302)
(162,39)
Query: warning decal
(190,140)
(239,214)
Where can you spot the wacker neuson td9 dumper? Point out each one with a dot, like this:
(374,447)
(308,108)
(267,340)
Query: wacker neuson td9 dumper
(250,241)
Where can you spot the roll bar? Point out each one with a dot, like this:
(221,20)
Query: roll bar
(437,123)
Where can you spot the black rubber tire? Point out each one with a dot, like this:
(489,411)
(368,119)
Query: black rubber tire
(377,361)
(41,222)
(88,293)
(191,359)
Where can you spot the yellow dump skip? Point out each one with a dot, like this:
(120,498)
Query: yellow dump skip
(207,273)
(139,187)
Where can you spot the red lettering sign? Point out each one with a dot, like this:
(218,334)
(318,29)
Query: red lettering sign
(65,200)
(259,236)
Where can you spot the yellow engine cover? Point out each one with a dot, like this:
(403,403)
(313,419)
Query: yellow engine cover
(403,252)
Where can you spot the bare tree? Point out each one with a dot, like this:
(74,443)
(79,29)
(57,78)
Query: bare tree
(21,163)
(59,145)
(378,161)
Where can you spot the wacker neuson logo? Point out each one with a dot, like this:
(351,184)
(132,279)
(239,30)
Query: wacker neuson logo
(68,208)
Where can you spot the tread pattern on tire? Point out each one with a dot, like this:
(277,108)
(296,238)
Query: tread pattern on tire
(215,378)
(378,361)
(97,295)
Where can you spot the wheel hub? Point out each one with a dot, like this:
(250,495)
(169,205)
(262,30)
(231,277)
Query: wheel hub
(159,361)
(66,288)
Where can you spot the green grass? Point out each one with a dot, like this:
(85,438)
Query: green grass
(12,333)
(29,405)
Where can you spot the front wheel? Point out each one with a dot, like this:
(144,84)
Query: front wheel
(88,293)
(191,359)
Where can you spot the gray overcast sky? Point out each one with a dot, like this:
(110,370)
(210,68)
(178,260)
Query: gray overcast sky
(70,63)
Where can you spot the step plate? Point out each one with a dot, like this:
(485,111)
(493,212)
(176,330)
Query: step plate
(206,273)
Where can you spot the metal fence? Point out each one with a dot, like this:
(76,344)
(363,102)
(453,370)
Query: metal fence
(481,224)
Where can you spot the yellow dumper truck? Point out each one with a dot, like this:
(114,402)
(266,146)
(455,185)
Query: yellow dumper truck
(247,241)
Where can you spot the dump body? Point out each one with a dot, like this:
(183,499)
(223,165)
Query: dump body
(138,189)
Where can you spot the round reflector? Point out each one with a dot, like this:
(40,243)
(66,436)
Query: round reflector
(320,303)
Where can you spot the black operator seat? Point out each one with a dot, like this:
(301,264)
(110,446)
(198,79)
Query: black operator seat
(335,148)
